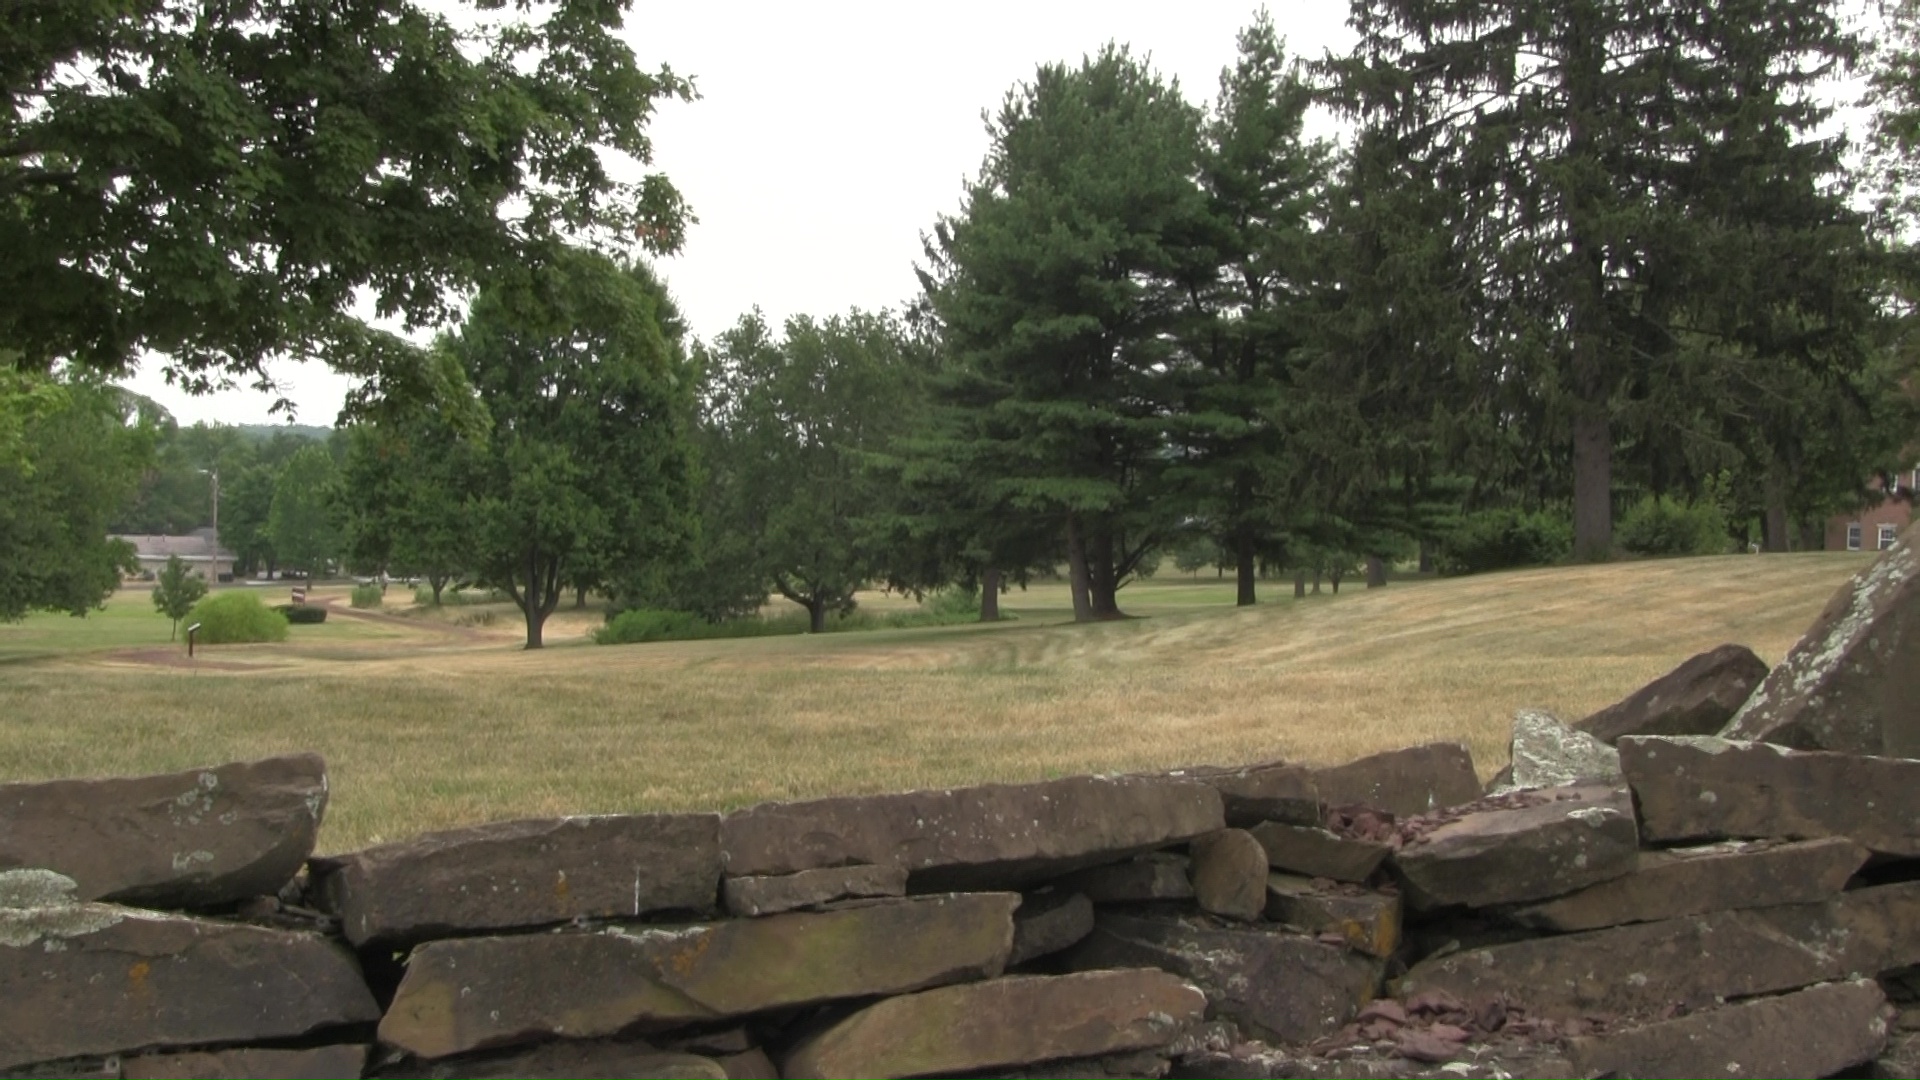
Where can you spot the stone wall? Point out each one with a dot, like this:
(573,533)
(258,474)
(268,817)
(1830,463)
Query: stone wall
(1642,894)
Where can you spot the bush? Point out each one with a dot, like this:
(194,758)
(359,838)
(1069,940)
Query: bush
(300,614)
(366,596)
(653,624)
(237,616)
(1500,539)
(1658,525)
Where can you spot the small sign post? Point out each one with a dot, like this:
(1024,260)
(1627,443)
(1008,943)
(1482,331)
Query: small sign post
(191,630)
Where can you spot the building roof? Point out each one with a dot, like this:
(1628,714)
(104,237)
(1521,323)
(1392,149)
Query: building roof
(194,547)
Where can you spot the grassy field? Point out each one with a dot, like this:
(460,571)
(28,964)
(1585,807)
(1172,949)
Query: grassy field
(432,719)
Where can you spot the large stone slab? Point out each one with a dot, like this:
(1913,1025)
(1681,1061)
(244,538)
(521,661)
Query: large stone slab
(1275,984)
(1697,698)
(1405,783)
(997,836)
(1692,881)
(1548,753)
(1818,1031)
(1230,874)
(250,1063)
(1162,875)
(566,1059)
(88,978)
(473,993)
(1048,922)
(1366,920)
(1520,847)
(1705,788)
(810,888)
(1270,791)
(524,873)
(1017,1020)
(1689,961)
(190,839)
(1316,852)
(1852,683)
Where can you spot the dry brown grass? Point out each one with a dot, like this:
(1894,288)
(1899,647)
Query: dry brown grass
(437,727)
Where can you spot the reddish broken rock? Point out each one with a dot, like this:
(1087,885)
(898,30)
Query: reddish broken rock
(1852,683)
(995,836)
(191,839)
(524,873)
(1017,1020)
(1818,1031)
(1697,698)
(1705,788)
(1553,841)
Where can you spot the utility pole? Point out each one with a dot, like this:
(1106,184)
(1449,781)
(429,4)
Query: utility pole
(214,475)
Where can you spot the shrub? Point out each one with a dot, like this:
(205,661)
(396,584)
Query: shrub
(1499,539)
(237,616)
(1659,525)
(653,624)
(366,596)
(299,614)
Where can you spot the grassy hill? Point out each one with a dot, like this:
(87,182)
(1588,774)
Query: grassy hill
(440,721)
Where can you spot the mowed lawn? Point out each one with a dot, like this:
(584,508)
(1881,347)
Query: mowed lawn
(437,719)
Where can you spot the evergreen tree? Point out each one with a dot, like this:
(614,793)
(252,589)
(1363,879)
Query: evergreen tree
(1253,296)
(1569,133)
(1053,291)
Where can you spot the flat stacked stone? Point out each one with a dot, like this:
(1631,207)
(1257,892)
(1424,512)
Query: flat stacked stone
(1275,984)
(84,979)
(1852,683)
(524,873)
(469,994)
(1515,848)
(1697,698)
(193,839)
(1012,1021)
(1703,788)
(990,837)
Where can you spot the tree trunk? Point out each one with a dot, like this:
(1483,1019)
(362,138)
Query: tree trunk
(816,616)
(436,582)
(1299,584)
(1316,581)
(1426,558)
(1243,570)
(1592,487)
(1773,526)
(532,603)
(579,597)
(1813,535)
(1334,575)
(1077,570)
(990,595)
(1376,572)
(1102,582)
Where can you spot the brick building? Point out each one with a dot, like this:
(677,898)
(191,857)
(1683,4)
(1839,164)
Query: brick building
(1874,528)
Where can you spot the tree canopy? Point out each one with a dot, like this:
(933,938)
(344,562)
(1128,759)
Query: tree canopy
(222,184)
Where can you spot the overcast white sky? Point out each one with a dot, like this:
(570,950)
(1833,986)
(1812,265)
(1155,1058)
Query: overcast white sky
(829,136)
